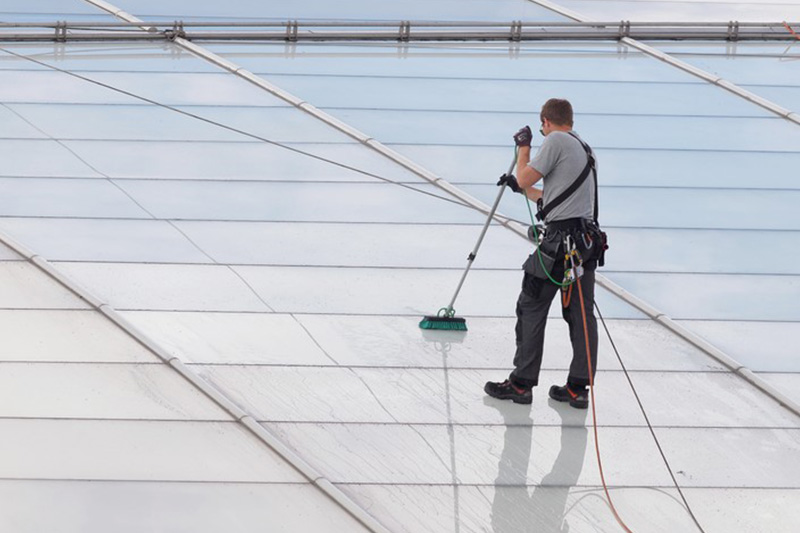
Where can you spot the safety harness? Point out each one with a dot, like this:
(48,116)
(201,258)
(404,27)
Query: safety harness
(544,210)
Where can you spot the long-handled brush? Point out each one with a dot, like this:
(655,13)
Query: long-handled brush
(446,317)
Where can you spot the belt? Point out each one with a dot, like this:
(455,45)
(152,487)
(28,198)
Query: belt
(567,224)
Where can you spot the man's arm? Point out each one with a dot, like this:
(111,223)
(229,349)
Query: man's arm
(527,176)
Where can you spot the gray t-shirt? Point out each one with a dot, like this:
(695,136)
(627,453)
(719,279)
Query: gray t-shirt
(561,159)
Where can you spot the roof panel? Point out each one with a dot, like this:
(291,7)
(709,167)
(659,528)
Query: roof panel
(66,336)
(126,391)
(130,507)
(133,451)
(26,287)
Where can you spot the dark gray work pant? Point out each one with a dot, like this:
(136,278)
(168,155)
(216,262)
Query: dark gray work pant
(532,307)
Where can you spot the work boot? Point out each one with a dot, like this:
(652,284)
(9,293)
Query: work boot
(508,391)
(577,397)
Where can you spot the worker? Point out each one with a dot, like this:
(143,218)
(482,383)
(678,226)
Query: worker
(572,242)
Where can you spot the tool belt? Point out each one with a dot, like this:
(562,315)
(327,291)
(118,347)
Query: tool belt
(589,239)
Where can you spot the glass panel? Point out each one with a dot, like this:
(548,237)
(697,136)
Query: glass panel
(14,125)
(142,122)
(788,384)
(162,287)
(688,11)
(699,251)
(67,336)
(124,57)
(50,11)
(131,507)
(766,69)
(154,392)
(367,453)
(424,396)
(152,451)
(556,62)
(515,96)
(391,245)
(256,161)
(352,10)
(728,297)
(515,507)
(223,338)
(105,240)
(7,254)
(753,344)
(374,341)
(50,87)
(639,132)
(689,208)
(630,167)
(26,287)
(274,201)
(66,198)
(41,157)
(761,454)
(297,290)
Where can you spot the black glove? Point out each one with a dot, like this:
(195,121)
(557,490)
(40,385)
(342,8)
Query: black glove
(523,137)
(510,181)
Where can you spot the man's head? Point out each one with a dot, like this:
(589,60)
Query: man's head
(556,115)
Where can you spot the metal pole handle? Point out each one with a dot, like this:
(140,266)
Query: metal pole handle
(474,253)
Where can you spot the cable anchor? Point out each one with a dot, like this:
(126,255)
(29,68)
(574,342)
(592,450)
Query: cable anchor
(624,28)
(404,34)
(516,31)
(176,32)
(291,31)
(733,30)
(61,31)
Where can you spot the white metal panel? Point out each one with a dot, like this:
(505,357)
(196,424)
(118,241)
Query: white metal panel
(66,336)
(26,287)
(132,507)
(133,451)
(7,254)
(135,391)
(224,338)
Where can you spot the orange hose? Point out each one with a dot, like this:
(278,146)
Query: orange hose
(594,413)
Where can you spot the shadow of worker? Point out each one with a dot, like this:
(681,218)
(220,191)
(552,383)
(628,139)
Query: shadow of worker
(544,509)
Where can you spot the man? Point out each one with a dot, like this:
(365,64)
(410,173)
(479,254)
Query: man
(562,162)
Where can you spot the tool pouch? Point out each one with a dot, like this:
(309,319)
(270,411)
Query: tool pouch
(540,268)
(592,243)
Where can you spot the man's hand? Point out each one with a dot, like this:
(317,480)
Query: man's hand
(510,181)
(523,137)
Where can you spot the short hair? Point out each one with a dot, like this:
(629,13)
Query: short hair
(557,111)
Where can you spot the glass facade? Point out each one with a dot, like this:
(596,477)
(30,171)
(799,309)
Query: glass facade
(283,265)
